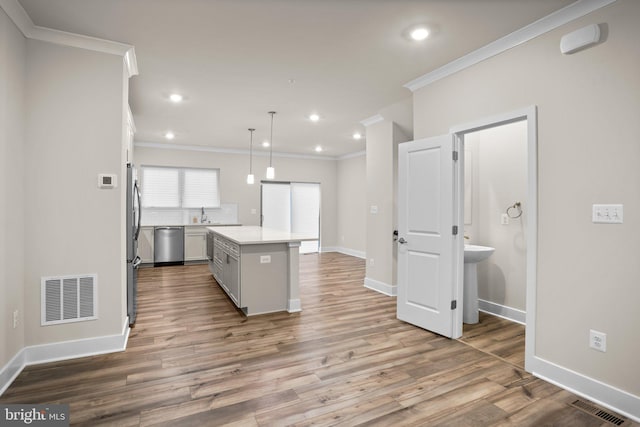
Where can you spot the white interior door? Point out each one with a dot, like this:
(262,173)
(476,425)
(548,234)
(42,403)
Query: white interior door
(427,255)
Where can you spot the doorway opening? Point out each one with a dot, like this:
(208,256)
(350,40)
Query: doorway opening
(496,194)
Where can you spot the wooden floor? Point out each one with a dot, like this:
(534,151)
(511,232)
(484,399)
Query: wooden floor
(194,360)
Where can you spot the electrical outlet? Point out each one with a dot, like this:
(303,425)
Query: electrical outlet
(504,219)
(16,315)
(253,211)
(372,262)
(598,340)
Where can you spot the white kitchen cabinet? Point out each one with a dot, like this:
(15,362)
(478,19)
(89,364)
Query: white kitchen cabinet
(195,243)
(145,245)
(226,267)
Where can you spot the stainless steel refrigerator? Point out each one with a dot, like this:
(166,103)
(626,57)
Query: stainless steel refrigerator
(133,231)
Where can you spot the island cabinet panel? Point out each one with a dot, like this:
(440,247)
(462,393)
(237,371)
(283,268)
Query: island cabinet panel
(264,278)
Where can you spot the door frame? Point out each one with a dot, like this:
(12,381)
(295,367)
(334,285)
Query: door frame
(530,115)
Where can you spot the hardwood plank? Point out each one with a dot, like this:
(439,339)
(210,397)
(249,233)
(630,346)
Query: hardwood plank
(193,359)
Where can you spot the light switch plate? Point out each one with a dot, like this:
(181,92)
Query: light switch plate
(607,214)
(265,259)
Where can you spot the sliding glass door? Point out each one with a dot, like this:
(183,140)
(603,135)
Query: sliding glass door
(293,207)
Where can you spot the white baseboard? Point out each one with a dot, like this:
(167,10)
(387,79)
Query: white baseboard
(11,370)
(509,313)
(383,288)
(294,305)
(52,352)
(346,251)
(617,400)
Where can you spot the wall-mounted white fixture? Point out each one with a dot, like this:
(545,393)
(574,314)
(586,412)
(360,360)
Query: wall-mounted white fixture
(175,97)
(314,117)
(357,136)
(107,180)
(169,135)
(580,39)
(271,172)
(250,177)
(607,214)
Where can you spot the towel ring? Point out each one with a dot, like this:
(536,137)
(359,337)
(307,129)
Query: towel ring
(516,205)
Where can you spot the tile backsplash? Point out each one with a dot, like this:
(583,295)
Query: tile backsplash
(227,213)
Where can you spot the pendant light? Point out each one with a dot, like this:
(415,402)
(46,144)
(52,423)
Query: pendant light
(250,177)
(271,172)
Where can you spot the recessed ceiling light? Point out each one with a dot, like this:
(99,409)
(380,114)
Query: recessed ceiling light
(265,143)
(357,135)
(314,117)
(169,135)
(318,149)
(175,97)
(419,33)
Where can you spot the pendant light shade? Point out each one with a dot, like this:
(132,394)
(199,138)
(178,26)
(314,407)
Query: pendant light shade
(271,172)
(250,177)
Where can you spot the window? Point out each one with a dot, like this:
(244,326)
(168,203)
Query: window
(166,187)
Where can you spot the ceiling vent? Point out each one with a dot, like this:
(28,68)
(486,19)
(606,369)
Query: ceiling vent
(69,299)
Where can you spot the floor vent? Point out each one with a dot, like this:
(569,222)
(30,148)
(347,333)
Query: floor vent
(69,299)
(600,413)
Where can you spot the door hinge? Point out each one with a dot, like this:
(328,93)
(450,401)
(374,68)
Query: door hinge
(454,230)
(454,304)
(455,156)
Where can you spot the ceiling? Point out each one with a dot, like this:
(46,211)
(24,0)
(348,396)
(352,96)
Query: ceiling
(235,60)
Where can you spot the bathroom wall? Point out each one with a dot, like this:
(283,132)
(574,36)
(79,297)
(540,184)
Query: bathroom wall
(496,169)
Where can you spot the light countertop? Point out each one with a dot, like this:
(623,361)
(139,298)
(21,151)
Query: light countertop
(206,224)
(252,235)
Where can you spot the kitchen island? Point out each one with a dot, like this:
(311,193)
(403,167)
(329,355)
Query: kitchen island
(257,267)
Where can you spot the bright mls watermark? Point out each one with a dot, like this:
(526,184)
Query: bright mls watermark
(34,415)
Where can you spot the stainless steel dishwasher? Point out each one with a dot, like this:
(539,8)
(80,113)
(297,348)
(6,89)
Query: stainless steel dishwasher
(168,245)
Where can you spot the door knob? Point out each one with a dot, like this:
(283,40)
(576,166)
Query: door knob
(402,241)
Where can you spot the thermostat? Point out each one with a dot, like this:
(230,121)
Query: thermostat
(106,180)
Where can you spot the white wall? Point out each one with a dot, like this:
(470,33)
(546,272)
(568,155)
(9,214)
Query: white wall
(73,132)
(498,164)
(12,112)
(588,152)
(233,180)
(383,138)
(352,205)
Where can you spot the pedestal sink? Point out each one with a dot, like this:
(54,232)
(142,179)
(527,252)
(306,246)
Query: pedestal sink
(473,254)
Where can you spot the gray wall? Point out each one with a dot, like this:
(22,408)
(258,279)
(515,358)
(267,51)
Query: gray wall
(352,205)
(13,52)
(74,101)
(588,152)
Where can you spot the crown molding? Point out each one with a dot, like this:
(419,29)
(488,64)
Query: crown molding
(372,120)
(550,22)
(208,149)
(21,19)
(353,155)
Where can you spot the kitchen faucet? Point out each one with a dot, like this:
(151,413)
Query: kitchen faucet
(203,217)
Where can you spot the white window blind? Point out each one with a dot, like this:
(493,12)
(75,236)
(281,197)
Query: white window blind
(200,188)
(293,207)
(161,187)
(166,187)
